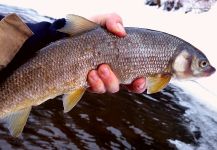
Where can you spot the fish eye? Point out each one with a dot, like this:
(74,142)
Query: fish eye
(203,63)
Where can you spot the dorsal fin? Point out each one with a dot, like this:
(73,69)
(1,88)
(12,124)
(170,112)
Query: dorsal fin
(77,24)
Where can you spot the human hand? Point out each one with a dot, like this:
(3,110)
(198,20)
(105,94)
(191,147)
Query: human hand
(103,79)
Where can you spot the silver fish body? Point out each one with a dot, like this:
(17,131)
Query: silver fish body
(62,66)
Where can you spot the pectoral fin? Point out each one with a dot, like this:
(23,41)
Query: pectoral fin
(72,98)
(77,24)
(157,83)
(17,120)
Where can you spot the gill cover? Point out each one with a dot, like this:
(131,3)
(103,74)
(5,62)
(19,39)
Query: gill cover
(182,65)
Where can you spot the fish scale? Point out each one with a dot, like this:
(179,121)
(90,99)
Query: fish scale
(62,67)
(69,60)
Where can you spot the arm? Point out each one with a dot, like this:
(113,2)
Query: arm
(100,80)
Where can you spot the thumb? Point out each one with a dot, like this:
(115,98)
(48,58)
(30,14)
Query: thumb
(115,25)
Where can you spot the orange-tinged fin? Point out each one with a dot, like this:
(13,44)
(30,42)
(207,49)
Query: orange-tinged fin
(72,98)
(77,24)
(157,83)
(17,120)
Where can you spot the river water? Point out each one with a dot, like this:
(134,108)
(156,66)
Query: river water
(170,119)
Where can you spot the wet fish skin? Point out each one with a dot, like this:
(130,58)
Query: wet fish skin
(62,66)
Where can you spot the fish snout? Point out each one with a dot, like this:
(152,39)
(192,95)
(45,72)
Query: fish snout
(211,70)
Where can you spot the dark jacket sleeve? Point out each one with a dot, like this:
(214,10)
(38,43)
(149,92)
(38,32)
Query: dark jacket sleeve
(44,33)
(1,17)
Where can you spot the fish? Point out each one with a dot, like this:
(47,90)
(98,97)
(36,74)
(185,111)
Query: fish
(61,67)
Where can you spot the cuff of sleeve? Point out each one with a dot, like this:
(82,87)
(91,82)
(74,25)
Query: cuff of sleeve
(13,33)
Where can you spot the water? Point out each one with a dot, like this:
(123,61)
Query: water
(108,121)
(171,119)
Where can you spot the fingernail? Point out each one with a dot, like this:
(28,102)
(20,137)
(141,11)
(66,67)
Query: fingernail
(141,86)
(105,71)
(94,77)
(120,28)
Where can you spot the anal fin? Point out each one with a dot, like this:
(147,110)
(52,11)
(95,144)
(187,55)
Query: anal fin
(157,83)
(72,98)
(17,120)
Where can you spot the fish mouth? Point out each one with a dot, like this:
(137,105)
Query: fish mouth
(211,70)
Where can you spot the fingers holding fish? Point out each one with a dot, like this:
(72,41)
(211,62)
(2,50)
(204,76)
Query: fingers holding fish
(95,83)
(107,80)
(112,22)
(137,86)
(115,25)
(104,79)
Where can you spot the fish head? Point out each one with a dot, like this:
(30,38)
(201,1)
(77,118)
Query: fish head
(190,62)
